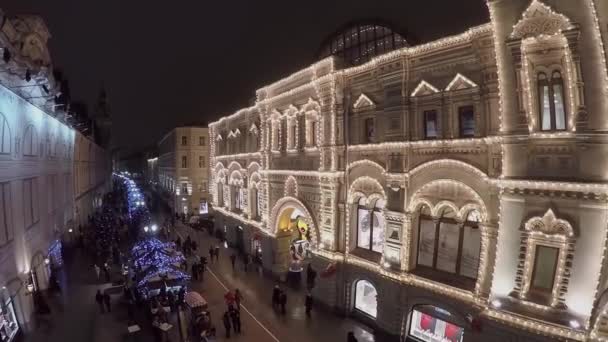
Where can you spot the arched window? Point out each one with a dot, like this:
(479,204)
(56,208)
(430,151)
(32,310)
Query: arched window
(551,101)
(30,142)
(292,134)
(447,245)
(370,226)
(366,299)
(254,204)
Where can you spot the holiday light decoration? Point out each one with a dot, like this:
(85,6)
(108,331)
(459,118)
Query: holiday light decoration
(323,85)
(363,101)
(460,78)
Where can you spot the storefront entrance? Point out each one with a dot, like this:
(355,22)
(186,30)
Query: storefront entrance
(293,240)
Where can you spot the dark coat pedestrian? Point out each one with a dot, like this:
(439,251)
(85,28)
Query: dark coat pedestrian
(106,300)
(217,253)
(283,302)
(233,260)
(235,315)
(237,298)
(106,271)
(276,294)
(226,321)
(99,300)
(211,253)
(195,271)
(350,337)
(308,303)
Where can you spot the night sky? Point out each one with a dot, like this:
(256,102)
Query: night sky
(166,63)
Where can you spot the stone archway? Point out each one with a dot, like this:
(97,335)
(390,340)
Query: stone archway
(296,233)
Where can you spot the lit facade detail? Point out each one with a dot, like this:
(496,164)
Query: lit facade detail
(476,181)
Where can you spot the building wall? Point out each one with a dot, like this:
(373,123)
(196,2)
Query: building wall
(69,174)
(445,134)
(177,174)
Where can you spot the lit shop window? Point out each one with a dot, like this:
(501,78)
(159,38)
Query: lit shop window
(551,98)
(370,226)
(366,299)
(427,328)
(447,246)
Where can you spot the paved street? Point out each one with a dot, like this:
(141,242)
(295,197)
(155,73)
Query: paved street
(260,320)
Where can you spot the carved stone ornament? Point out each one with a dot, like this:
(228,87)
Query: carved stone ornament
(539,19)
(549,225)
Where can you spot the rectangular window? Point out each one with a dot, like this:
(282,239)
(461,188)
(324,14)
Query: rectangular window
(545,263)
(201,161)
(201,140)
(184,162)
(378,232)
(466,116)
(430,124)
(184,140)
(471,244)
(370,131)
(426,242)
(204,186)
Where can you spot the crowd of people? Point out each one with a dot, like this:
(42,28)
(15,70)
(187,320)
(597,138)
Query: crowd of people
(114,226)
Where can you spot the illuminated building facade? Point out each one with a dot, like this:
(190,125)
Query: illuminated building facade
(51,176)
(450,191)
(183,167)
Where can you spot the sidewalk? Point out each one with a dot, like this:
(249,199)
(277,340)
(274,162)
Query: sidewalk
(257,292)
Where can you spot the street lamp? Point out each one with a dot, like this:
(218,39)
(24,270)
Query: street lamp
(154,227)
(146,229)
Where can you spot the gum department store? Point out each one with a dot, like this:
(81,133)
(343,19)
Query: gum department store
(450,191)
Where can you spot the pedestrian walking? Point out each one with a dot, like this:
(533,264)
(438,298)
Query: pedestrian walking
(97,270)
(350,337)
(246,262)
(233,260)
(308,303)
(311,275)
(235,315)
(237,299)
(226,321)
(195,271)
(229,298)
(217,253)
(276,294)
(211,253)
(106,271)
(99,300)
(106,300)
(283,302)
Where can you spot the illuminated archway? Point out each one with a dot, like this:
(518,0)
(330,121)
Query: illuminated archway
(295,231)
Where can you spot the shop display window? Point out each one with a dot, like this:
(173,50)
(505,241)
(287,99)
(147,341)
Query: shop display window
(366,298)
(427,328)
(8,322)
